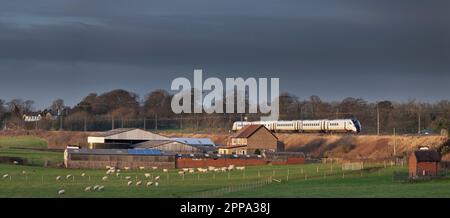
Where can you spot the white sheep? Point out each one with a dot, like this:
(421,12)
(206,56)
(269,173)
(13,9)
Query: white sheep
(154,168)
(62,191)
(58,177)
(149,183)
(142,168)
(96,187)
(24,172)
(185,169)
(104,178)
(108,167)
(165,170)
(138,183)
(126,168)
(117,174)
(101,188)
(118,170)
(157,178)
(15,162)
(129,183)
(127,177)
(68,176)
(181,173)
(191,171)
(211,168)
(156,184)
(5,176)
(147,175)
(88,189)
(83,174)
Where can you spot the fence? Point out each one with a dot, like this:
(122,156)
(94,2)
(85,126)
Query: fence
(234,188)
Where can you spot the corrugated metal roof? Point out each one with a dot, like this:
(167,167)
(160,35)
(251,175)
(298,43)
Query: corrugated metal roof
(151,143)
(111,132)
(427,156)
(249,130)
(195,141)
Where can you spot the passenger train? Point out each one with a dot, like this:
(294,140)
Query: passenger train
(339,125)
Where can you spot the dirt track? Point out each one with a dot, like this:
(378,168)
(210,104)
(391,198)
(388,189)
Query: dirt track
(347,146)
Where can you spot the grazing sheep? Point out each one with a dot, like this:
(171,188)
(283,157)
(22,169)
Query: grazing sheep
(154,168)
(147,175)
(129,183)
(230,168)
(240,168)
(211,168)
(118,170)
(191,171)
(88,189)
(83,174)
(101,188)
(216,170)
(138,183)
(157,178)
(5,176)
(108,167)
(165,170)
(185,169)
(142,168)
(117,174)
(181,173)
(128,177)
(24,172)
(58,177)
(149,183)
(104,178)
(62,191)
(68,176)
(156,184)
(126,168)
(96,187)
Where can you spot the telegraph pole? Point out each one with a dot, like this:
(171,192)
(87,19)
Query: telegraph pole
(395,144)
(418,123)
(378,120)
(156,121)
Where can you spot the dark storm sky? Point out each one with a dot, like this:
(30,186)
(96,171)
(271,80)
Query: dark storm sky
(380,49)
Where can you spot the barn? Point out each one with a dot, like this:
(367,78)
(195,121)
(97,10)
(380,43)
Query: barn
(255,138)
(179,146)
(424,163)
(120,158)
(121,138)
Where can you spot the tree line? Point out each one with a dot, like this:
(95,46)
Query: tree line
(121,108)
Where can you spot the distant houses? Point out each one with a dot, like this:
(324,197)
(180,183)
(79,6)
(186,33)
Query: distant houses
(424,163)
(252,139)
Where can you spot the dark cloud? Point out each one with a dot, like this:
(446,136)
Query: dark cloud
(371,49)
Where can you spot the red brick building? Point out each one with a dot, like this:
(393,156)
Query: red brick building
(255,137)
(424,163)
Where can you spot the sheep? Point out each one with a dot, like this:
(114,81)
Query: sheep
(240,168)
(24,172)
(104,178)
(108,167)
(142,168)
(129,183)
(68,176)
(231,167)
(191,171)
(216,170)
(149,183)
(101,188)
(154,168)
(126,168)
(83,174)
(58,177)
(117,174)
(165,170)
(15,162)
(181,173)
(5,176)
(156,184)
(157,178)
(88,189)
(147,175)
(185,169)
(118,170)
(96,187)
(211,168)
(138,183)
(127,177)
(62,191)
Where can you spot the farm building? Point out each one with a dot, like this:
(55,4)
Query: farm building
(121,138)
(120,158)
(254,138)
(233,149)
(179,146)
(424,163)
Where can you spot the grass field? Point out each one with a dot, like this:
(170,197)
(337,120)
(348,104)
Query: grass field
(308,180)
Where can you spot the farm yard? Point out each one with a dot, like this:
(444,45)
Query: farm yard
(33,179)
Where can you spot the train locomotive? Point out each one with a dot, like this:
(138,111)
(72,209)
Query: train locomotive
(323,126)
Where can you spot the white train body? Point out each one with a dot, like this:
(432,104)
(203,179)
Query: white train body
(340,125)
